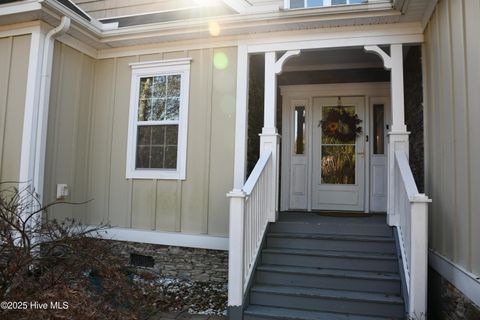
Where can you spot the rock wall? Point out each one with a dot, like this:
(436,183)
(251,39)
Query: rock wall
(186,263)
(414,112)
(446,302)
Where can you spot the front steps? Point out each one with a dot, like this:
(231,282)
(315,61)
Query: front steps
(316,267)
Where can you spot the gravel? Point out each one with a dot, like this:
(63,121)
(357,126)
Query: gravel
(175,294)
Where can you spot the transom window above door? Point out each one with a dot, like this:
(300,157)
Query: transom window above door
(158,120)
(298,4)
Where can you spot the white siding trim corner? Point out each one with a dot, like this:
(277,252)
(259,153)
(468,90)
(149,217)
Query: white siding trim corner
(200,241)
(465,281)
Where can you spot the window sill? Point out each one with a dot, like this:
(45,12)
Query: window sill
(155,175)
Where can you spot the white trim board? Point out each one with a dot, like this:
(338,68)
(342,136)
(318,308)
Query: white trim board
(336,37)
(166,238)
(466,282)
(19,29)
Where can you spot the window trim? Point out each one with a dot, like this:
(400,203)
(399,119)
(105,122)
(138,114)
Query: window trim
(156,68)
(328,4)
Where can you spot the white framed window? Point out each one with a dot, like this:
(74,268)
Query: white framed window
(158,120)
(299,4)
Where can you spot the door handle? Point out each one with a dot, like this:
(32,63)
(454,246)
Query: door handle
(361,153)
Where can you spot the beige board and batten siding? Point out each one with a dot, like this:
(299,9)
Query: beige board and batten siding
(14,57)
(90,110)
(68,132)
(452,65)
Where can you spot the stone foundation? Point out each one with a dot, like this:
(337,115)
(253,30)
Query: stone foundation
(186,263)
(446,302)
(414,112)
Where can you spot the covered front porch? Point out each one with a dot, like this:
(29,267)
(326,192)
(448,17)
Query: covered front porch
(255,202)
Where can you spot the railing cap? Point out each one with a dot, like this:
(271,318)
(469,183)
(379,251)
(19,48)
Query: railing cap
(236,193)
(420,197)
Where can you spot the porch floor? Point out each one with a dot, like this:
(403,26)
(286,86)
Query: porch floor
(333,217)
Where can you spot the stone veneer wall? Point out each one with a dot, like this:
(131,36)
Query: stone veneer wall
(186,263)
(446,302)
(414,112)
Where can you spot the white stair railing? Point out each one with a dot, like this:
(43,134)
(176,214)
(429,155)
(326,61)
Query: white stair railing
(412,210)
(249,211)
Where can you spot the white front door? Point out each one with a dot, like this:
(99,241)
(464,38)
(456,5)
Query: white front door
(338,181)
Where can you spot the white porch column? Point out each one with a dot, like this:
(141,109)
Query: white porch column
(241,118)
(398,135)
(269,138)
(237,196)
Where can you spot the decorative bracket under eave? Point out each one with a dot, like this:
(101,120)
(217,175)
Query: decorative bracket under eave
(287,55)
(387,60)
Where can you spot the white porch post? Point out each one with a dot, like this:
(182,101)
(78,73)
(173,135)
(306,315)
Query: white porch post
(398,135)
(237,196)
(269,138)
(241,117)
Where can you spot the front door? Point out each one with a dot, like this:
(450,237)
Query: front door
(338,181)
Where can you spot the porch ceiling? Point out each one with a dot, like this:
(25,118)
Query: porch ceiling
(350,58)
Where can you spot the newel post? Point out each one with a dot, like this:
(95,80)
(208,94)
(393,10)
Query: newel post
(419,257)
(398,134)
(269,138)
(235,254)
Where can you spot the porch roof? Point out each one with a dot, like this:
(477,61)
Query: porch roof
(176,24)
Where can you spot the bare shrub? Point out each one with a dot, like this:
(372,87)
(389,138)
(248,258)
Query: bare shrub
(49,261)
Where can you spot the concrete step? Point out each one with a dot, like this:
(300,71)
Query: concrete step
(365,281)
(331,242)
(254,312)
(331,259)
(325,300)
(339,228)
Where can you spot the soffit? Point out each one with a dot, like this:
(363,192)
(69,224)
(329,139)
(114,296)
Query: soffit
(231,25)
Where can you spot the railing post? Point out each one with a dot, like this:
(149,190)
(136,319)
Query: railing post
(270,142)
(397,141)
(419,257)
(235,254)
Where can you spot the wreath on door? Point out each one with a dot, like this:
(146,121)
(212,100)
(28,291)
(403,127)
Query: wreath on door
(341,125)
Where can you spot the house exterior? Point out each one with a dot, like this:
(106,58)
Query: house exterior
(143,107)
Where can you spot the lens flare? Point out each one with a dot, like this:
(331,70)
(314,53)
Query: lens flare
(227,104)
(214,28)
(220,60)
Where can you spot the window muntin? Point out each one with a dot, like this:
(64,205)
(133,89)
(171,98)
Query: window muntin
(298,4)
(159,98)
(157,147)
(158,120)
